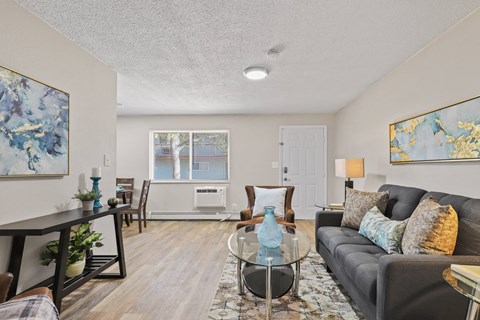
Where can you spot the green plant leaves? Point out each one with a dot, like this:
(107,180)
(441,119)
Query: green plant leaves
(81,240)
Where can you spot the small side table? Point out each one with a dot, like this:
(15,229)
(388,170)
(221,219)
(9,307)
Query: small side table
(330,207)
(468,288)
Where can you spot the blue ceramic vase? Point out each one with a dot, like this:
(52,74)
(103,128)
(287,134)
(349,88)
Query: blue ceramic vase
(270,232)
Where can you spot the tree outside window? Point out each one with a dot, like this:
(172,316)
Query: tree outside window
(177,155)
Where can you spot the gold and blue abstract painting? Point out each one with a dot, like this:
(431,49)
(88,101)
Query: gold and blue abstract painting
(451,133)
(34,127)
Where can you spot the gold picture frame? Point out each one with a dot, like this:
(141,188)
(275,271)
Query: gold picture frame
(450,133)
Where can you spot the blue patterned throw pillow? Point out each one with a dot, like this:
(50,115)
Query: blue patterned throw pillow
(382,231)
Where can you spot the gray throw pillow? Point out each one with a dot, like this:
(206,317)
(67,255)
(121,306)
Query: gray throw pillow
(358,203)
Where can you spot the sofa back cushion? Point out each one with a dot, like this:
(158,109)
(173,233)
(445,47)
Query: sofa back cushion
(468,211)
(402,200)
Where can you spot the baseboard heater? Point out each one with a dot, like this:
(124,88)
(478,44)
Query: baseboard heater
(209,197)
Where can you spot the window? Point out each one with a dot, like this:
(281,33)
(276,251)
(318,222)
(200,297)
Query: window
(200,166)
(189,155)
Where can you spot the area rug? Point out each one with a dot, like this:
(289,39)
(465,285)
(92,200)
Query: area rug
(320,297)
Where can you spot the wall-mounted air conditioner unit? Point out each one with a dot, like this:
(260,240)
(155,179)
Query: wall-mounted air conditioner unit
(209,197)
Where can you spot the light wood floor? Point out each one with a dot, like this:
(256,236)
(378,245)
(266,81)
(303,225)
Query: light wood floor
(173,269)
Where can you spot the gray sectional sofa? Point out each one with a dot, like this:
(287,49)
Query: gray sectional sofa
(399,287)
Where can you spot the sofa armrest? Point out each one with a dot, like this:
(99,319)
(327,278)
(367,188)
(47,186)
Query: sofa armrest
(412,287)
(328,219)
(33,292)
(246,214)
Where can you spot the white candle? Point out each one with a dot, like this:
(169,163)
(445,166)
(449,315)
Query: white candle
(96,172)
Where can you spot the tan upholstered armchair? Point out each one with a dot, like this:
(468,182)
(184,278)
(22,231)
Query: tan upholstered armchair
(247,218)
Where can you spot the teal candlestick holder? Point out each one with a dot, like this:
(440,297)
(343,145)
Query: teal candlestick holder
(96,203)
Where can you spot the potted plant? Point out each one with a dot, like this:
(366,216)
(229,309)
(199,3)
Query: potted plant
(87,199)
(81,240)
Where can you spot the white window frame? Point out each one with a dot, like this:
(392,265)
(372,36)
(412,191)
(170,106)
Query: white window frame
(151,156)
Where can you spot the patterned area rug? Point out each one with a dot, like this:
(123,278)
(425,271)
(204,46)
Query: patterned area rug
(320,297)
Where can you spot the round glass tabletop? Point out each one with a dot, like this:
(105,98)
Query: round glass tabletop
(465,286)
(244,245)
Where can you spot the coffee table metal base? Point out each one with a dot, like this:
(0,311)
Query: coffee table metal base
(255,280)
(251,277)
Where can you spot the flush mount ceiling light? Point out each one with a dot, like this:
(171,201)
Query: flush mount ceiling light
(255,73)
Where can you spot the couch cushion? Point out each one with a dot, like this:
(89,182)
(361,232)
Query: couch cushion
(331,237)
(402,201)
(29,308)
(432,229)
(361,264)
(358,203)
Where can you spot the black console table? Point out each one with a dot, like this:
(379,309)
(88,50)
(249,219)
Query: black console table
(63,222)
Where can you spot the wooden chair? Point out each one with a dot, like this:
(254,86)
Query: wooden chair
(142,206)
(127,195)
(246,216)
(5,281)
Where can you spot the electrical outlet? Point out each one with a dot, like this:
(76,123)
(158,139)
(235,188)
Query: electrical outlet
(234,207)
(274,165)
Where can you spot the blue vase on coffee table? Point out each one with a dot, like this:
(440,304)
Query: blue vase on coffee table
(270,232)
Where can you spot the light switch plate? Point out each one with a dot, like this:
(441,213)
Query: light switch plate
(106,160)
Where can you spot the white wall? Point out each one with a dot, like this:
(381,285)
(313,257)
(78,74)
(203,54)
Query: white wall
(33,48)
(443,73)
(253,147)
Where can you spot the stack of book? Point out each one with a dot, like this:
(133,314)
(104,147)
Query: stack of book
(467,274)
(336,206)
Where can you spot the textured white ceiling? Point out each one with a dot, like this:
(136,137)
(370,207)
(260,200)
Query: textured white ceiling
(187,56)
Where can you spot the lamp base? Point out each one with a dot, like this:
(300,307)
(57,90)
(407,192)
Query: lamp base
(348,184)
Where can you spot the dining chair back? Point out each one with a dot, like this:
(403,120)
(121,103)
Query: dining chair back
(142,206)
(128,185)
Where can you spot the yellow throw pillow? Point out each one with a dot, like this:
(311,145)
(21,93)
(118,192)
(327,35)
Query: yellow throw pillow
(432,229)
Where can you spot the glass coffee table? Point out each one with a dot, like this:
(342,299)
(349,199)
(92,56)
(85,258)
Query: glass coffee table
(267,272)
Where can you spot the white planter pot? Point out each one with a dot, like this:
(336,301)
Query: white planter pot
(75,269)
(87,205)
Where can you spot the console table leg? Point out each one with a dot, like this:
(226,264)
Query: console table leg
(61,265)
(117,219)
(16,253)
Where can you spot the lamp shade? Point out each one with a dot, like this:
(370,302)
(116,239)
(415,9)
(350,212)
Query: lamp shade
(349,168)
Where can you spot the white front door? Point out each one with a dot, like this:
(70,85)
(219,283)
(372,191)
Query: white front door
(303,159)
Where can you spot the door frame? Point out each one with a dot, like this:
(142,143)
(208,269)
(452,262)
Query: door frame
(325,157)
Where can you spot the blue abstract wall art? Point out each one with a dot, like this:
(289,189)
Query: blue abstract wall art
(34,127)
(451,133)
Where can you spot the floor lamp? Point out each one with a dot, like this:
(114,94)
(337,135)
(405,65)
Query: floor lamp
(349,168)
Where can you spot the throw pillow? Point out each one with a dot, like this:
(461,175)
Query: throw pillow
(432,229)
(269,197)
(358,203)
(382,231)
